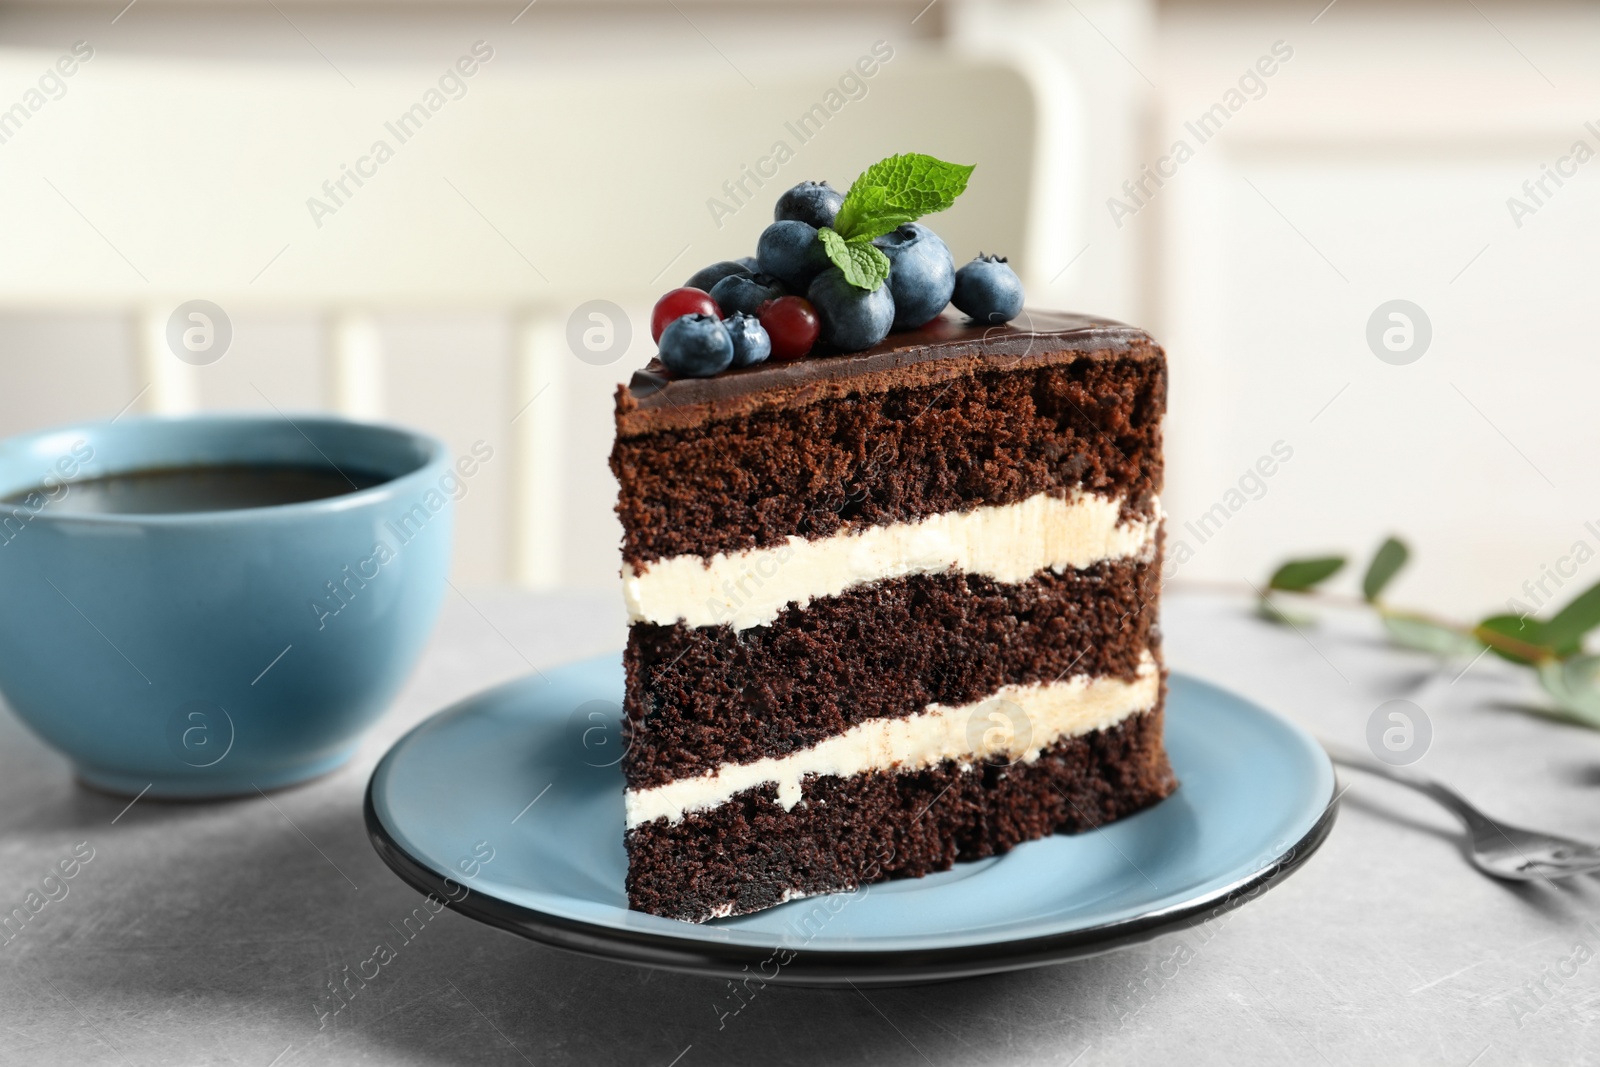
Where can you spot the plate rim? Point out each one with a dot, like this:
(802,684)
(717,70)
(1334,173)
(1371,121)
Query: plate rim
(830,967)
(833,967)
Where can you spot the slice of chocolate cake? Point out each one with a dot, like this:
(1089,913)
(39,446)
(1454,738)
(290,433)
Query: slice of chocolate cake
(890,610)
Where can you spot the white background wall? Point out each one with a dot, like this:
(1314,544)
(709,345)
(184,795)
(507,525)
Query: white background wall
(1376,166)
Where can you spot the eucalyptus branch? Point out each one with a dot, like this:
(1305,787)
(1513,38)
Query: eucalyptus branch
(1500,642)
(1552,647)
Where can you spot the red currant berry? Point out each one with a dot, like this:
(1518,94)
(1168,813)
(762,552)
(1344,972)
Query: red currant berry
(792,324)
(678,303)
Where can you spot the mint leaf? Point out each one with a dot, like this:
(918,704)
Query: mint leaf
(896,191)
(1390,557)
(870,214)
(1298,575)
(863,264)
(1582,614)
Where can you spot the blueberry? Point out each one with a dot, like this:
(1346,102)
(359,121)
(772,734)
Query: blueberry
(749,263)
(988,290)
(745,292)
(790,252)
(706,277)
(696,346)
(813,203)
(922,274)
(751,345)
(852,318)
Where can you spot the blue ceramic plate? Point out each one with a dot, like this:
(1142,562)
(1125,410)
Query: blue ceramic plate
(508,807)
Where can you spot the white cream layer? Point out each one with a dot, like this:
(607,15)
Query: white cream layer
(1014,723)
(1009,543)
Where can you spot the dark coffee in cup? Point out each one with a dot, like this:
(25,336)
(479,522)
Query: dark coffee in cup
(178,490)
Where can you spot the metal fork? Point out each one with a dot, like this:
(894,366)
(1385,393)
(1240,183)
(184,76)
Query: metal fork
(1496,849)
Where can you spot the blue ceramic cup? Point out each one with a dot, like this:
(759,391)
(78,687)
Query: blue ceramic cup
(212,653)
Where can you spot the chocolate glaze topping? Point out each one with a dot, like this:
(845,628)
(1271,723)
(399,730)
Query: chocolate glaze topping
(948,347)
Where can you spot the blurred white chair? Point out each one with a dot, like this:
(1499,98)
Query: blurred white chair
(261,185)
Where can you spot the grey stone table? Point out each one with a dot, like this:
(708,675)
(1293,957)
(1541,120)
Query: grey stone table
(206,933)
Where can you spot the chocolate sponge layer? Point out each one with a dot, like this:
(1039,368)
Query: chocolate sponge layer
(698,697)
(750,853)
(993,437)
(947,418)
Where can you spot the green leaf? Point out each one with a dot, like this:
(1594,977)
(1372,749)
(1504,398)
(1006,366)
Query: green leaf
(1575,685)
(898,190)
(1386,563)
(1425,635)
(863,263)
(1582,614)
(870,214)
(1273,612)
(1528,631)
(1298,575)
